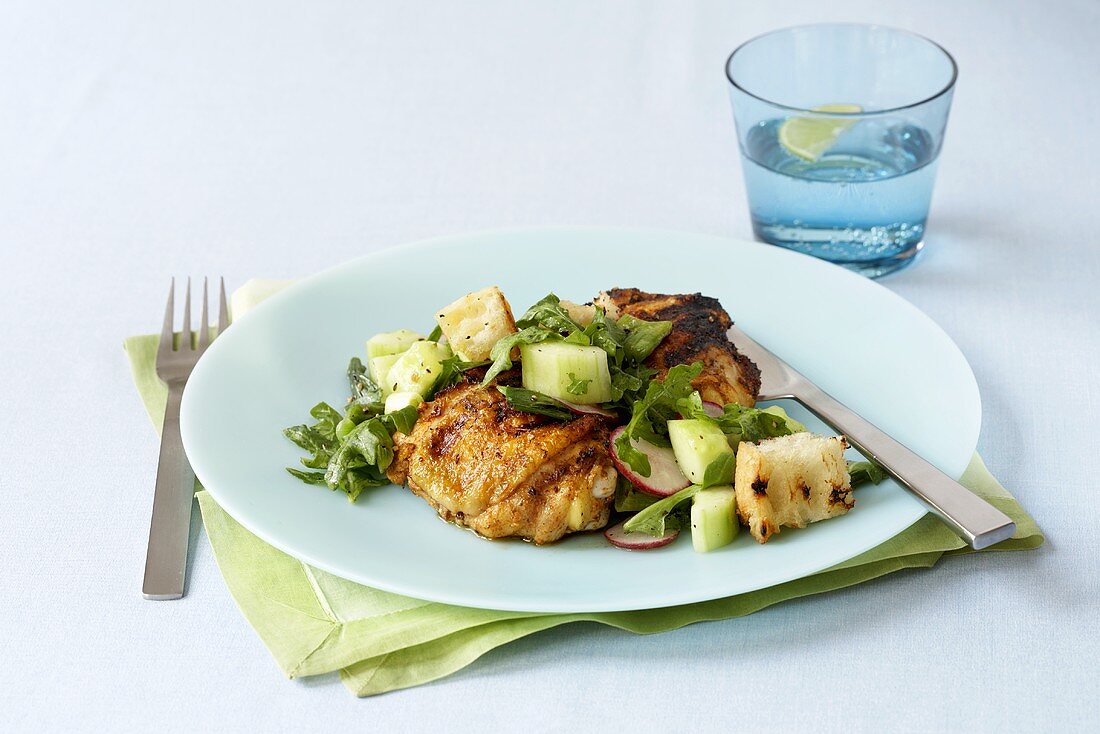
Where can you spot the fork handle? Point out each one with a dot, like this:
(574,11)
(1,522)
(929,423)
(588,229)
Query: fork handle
(170,528)
(979,523)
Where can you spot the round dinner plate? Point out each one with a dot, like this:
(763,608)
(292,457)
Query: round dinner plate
(853,337)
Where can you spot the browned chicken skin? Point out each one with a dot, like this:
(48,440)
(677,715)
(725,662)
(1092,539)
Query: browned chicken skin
(502,472)
(699,326)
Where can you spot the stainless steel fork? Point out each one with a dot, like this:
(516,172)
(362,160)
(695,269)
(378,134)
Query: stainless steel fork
(166,557)
(979,523)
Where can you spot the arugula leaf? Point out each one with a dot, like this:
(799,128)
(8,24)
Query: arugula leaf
(364,390)
(691,407)
(307,437)
(741,423)
(450,371)
(363,457)
(327,418)
(629,499)
(344,427)
(401,421)
(865,471)
(436,334)
(719,471)
(353,449)
(549,315)
(501,353)
(530,401)
(356,413)
(790,423)
(320,438)
(629,382)
(576,386)
(654,519)
(650,415)
(631,456)
(358,479)
(309,477)
(642,337)
(608,336)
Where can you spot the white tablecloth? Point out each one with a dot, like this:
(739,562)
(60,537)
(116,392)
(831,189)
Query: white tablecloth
(140,140)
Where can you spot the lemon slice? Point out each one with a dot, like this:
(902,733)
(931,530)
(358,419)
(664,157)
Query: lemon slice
(809,137)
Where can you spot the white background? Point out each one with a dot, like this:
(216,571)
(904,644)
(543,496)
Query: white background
(140,140)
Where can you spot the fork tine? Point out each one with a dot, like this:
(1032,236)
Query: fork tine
(185,334)
(166,332)
(204,324)
(223,310)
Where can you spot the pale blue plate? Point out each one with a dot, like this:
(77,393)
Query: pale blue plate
(855,338)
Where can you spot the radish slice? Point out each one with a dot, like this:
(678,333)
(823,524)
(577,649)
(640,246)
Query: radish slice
(637,541)
(664,478)
(587,409)
(714,410)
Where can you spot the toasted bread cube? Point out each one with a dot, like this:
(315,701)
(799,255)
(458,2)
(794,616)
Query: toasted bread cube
(607,303)
(791,481)
(475,322)
(582,314)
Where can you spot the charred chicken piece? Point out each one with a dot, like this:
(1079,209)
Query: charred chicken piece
(699,326)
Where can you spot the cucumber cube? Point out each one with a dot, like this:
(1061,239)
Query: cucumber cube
(713,518)
(392,342)
(416,370)
(567,372)
(696,443)
(379,367)
(400,400)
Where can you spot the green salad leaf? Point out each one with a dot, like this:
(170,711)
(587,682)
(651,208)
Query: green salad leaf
(608,336)
(327,418)
(501,354)
(309,477)
(366,453)
(651,413)
(530,401)
(659,518)
(319,439)
(741,423)
(719,471)
(865,471)
(549,315)
(628,498)
(642,337)
(352,449)
(436,333)
(364,390)
(450,372)
(629,382)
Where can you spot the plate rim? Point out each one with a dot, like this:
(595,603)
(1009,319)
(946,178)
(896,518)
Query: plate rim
(671,598)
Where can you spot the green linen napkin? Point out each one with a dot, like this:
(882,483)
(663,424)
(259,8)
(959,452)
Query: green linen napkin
(314,622)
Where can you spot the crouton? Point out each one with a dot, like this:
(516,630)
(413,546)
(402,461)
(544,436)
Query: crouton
(475,322)
(791,481)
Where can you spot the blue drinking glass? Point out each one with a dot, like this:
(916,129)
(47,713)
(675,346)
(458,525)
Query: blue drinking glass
(840,127)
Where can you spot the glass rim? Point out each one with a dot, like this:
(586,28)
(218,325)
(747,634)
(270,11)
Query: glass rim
(867,113)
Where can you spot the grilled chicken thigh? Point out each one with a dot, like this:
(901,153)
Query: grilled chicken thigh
(699,326)
(502,472)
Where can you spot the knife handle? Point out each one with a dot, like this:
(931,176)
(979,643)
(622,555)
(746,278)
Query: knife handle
(976,521)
